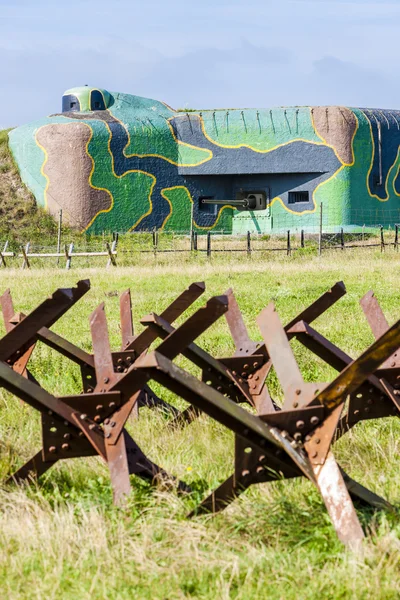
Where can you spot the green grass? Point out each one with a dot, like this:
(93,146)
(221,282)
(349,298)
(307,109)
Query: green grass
(62,538)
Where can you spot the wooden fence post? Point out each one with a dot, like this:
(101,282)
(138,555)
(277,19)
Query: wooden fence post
(68,255)
(248,244)
(342,239)
(59,234)
(208,244)
(396,238)
(25,251)
(288,248)
(320,231)
(111,254)
(302,238)
(3,260)
(382,240)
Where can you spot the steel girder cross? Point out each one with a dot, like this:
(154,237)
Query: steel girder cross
(376,398)
(100,416)
(121,360)
(271,436)
(60,440)
(256,378)
(241,377)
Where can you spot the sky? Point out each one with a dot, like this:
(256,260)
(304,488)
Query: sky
(203,54)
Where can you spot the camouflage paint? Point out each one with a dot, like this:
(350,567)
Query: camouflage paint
(151,164)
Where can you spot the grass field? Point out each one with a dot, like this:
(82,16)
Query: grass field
(62,538)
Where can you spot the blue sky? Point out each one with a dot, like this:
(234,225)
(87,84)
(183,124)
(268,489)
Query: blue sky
(212,53)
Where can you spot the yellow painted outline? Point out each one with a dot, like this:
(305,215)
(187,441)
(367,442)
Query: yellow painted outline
(372,165)
(91,171)
(170,161)
(182,187)
(238,146)
(46,156)
(150,210)
(277,199)
(333,147)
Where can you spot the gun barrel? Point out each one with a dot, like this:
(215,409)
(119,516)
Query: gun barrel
(231,202)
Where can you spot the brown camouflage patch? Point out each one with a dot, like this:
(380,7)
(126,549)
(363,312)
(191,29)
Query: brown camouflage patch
(68,169)
(336,125)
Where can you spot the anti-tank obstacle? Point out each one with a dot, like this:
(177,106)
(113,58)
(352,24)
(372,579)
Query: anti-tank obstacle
(270,442)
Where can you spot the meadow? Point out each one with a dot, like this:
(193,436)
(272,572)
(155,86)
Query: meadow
(63,538)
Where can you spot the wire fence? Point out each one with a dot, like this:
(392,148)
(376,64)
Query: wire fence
(146,247)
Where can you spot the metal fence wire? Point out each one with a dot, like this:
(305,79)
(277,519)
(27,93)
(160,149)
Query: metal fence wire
(255,238)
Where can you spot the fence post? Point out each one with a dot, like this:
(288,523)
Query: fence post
(382,240)
(341,238)
(155,241)
(248,244)
(68,255)
(320,231)
(111,255)
(24,254)
(191,219)
(59,235)
(396,238)
(209,244)
(3,260)
(288,250)
(195,241)
(302,238)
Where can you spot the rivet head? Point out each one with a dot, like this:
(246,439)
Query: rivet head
(112,404)
(314,420)
(99,407)
(314,454)
(108,435)
(65,446)
(83,417)
(106,379)
(67,436)
(52,449)
(298,392)
(300,424)
(245,473)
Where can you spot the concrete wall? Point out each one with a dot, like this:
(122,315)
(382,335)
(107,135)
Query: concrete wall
(136,164)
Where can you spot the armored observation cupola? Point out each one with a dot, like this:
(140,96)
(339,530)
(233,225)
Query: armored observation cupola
(86,99)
